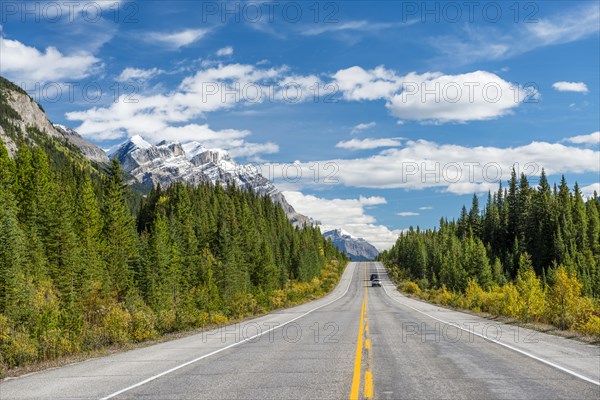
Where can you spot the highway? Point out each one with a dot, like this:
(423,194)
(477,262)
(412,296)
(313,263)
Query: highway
(357,342)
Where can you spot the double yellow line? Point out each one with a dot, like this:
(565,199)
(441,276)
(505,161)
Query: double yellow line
(363,331)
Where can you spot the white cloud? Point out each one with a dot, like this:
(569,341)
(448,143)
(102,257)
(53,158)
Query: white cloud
(407,214)
(23,63)
(591,139)
(224,138)
(178,39)
(358,84)
(348,214)
(456,168)
(362,127)
(368,143)
(129,74)
(474,96)
(562,86)
(225,51)
(433,96)
(588,191)
(208,90)
(248,149)
(471,187)
(426,208)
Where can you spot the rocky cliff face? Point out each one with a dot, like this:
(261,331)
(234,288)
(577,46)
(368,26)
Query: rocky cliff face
(21,112)
(357,249)
(91,151)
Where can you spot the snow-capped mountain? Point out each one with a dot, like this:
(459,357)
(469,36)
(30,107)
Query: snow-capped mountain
(357,249)
(169,162)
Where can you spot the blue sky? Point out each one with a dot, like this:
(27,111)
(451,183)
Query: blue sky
(411,107)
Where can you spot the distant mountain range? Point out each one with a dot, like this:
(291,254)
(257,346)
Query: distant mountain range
(163,163)
(357,249)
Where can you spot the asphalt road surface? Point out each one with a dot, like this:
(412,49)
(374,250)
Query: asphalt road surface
(357,342)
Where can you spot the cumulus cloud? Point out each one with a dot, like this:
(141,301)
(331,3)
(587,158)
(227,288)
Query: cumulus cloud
(359,84)
(23,63)
(578,87)
(407,214)
(362,127)
(138,74)
(201,133)
(348,214)
(433,96)
(591,139)
(172,115)
(249,149)
(368,143)
(456,168)
(176,40)
(209,89)
(225,51)
(474,96)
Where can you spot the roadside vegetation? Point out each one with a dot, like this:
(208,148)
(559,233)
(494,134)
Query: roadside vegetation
(532,255)
(86,263)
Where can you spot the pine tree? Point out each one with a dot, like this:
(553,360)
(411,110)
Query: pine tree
(474,217)
(89,231)
(593,226)
(580,220)
(119,239)
(513,208)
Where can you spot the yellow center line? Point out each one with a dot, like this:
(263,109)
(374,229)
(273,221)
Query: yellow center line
(368,385)
(359,347)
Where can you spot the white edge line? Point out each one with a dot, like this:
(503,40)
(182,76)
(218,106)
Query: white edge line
(550,363)
(152,378)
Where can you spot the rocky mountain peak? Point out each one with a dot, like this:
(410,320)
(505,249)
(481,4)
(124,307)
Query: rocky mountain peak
(24,112)
(358,249)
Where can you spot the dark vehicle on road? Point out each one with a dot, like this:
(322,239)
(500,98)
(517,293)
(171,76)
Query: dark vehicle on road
(374,276)
(376,282)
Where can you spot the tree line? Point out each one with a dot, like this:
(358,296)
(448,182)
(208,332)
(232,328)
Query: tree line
(542,234)
(85,262)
